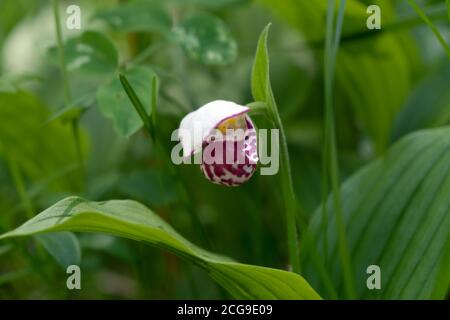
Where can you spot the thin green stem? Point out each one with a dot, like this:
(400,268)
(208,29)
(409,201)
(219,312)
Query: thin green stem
(430,24)
(257,108)
(287,186)
(331,49)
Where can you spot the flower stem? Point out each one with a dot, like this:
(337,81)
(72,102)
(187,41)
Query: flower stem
(287,186)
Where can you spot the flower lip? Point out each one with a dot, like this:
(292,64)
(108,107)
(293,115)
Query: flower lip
(206,119)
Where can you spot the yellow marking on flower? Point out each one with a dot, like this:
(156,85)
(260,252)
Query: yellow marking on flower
(232,124)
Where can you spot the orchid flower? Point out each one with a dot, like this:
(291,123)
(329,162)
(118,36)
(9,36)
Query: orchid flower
(226,136)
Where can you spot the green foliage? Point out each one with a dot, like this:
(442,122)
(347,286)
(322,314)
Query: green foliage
(114,103)
(397,217)
(375,88)
(262,92)
(434,94)
(431,25)
(206,39)
(63,246)
(136,16)
(91,53)
(150,63)
(130,219)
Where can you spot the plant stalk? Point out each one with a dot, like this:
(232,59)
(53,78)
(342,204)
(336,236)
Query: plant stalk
(287,187)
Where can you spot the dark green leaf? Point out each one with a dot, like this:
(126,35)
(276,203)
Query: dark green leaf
(397,215)
(63,246)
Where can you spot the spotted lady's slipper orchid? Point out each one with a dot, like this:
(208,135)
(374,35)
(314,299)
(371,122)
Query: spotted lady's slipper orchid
(225,135)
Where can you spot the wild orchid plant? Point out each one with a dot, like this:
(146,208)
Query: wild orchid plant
(227,141)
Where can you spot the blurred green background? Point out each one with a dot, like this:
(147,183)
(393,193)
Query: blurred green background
(388,84)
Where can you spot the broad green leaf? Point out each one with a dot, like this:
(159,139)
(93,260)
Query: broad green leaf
(132,220)
(397,215)
(63,246)
(206,39)
(91,52)
(115,104)
(137,16)
(373,75)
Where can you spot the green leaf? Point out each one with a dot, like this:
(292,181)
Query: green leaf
(262,92)
(115,104)
(91,52)
(260,70)
(397,216)
(137,16)
(206,39)
(132,220)
(63,246)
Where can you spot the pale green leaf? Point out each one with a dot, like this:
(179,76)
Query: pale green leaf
(132,220)
(91,52)
(206,39)
(136,16)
